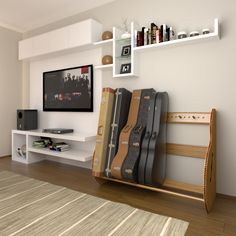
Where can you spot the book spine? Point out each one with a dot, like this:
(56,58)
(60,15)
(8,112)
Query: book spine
(140,37)
(143,35)
(135,38)
(157,36)
(164,33)
(149,37)
(161,34)
(145,42)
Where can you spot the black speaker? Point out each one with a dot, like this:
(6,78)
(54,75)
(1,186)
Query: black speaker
(27,119)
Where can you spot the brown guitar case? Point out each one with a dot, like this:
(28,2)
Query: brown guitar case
(119,120)
(106,110)
(130,165)
(125,135)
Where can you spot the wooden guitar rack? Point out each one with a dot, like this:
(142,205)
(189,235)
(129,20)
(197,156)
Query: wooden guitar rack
(205,193)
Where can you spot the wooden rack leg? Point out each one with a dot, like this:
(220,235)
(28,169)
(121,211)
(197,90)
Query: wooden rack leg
(210,167)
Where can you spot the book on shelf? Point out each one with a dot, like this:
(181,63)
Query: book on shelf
(154,34)
(60,147)
(154,29)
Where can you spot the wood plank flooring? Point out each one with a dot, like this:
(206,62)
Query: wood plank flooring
(221,221)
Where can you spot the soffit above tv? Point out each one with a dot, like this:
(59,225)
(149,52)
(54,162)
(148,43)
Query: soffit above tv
(26,15)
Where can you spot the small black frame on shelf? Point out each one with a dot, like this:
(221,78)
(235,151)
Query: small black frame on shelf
(125,68)
(126,50)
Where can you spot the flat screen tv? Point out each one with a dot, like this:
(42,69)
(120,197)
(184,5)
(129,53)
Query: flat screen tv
(68,89)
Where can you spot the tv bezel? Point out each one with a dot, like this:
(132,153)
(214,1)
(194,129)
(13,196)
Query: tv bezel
(70,109)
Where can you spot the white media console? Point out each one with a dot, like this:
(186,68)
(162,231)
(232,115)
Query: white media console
(81,146)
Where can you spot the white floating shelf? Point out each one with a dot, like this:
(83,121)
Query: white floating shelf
(70,136)
(103,42)
(124,75)
(101,67)
(206,37)
(77,155)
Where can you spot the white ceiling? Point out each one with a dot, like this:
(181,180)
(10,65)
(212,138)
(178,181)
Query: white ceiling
(25,15)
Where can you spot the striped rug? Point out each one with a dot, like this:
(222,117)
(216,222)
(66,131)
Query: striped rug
(33,207)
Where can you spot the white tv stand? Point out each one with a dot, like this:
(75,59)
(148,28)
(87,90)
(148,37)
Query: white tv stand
(82,146)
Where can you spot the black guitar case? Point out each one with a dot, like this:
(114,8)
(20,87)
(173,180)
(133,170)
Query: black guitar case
(155,168)
(146,140)
(119,119)
(130,166)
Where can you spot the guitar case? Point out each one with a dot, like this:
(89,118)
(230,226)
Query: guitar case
(125,135)
(119,119)
(156,158)
(106,110)
(146,141)
(130,165)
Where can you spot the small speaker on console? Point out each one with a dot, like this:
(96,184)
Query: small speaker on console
(27,119)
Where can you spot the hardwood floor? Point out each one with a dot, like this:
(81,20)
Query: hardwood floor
(221,221)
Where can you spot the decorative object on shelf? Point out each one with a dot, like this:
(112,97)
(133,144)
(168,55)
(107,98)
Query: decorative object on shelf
(125,68)
(107,35)
(126,50)
(22,151)
(193,33)
(107,59)
(182,35)
(206,31)
(125,28)
(68,89)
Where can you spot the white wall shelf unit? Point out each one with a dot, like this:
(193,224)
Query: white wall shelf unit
(81,146)
(189,40)
(101,67)
(79,35)
(103,42)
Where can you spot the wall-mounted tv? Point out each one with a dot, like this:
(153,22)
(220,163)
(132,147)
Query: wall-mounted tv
(68,89)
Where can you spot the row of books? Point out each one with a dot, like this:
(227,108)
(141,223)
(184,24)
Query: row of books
(47,143)
(152,35)
(60,147)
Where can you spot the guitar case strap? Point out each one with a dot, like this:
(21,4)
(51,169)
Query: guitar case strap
(130,165)
(106,109)
(155,168)
(119,119)
(146,140)
(125,135)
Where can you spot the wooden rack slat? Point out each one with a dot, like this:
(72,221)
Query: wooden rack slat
(186,150)
(189,117)
(183,186)
(156,189)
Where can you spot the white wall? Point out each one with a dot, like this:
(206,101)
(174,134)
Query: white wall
(10,88)
(197,77)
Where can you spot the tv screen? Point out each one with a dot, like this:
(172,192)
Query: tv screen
(68,89)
